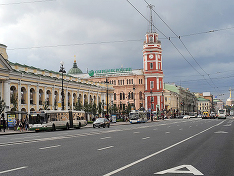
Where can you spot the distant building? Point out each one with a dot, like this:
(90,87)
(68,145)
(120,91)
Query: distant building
(204,105)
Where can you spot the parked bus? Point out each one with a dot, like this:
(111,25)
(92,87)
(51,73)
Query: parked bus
(137,117)
(51,120)
(222,114)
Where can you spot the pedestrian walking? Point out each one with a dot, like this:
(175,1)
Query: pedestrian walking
(4,124)
(21,126)
(15,124)
(0,124)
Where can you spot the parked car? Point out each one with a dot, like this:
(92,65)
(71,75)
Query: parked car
(101,122)
(199,116)
(186,117)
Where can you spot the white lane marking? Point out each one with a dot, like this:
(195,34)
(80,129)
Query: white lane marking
(146,138)
(156,153)
(50,147)
(2,172)
(105,138)
(180,129)
(76,135)
(168,132)
(136,132)
(221,132)
(227,125)
(105,148)
(175,170)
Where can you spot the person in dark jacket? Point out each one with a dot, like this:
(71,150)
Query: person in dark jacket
(4,124)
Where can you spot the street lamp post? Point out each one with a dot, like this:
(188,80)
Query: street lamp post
(151,104)
(134,96)
(107,98)
(62,70)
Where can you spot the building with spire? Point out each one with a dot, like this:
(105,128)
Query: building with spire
(74,70)
(139,89)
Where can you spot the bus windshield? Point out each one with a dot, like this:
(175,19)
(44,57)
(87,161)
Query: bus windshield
(37,119)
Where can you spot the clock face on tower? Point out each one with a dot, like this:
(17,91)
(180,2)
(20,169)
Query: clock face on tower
(151,56)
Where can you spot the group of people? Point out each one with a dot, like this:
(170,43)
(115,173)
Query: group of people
(21,124)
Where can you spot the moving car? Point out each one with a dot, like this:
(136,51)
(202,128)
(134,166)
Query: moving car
(186,117)
(101,122)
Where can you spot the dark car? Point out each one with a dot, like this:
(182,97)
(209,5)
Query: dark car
(101,122)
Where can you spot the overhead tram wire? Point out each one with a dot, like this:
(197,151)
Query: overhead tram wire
(214,30)
(26,2)
(75,44)
(179,37)
(169,40)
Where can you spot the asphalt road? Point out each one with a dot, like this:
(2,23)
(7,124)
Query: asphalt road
(169,147)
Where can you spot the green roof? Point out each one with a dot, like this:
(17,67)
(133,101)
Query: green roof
(171,88)
(202,99)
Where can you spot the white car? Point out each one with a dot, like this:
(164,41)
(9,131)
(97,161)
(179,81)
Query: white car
(186,117)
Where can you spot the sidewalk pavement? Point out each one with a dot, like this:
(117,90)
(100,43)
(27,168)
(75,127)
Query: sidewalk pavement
(9,132)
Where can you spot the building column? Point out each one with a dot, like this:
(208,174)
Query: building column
(72,100)
(28,97)
(52,98)
(146,103)
(7,94)
(37,98)
(66,99)
(19,95)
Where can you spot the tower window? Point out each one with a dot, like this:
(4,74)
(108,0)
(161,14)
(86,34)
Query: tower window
(151,84)
(151,65)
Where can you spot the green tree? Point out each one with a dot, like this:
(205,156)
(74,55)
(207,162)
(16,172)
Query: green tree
(2,105)
(45,105)
(128,108)
(87,107)
(100,109)
(14,101)
(78,106)
(94,109)
(55,105)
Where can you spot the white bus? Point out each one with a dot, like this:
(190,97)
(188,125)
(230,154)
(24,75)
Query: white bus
(222,114)
(52,120)
(137,117)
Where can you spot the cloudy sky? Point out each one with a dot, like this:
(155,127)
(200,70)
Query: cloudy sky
(197,37)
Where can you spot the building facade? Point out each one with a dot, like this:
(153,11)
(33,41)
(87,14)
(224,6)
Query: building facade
(24,88)
(141,89)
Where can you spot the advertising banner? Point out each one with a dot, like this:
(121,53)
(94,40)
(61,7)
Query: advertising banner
(11,120)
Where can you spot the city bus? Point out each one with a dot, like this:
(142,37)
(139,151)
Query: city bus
(222,114)
(51,120)
(137,117)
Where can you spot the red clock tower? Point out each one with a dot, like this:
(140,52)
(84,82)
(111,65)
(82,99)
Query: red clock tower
(152,61)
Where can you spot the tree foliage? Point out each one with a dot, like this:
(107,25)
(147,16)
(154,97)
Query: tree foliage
(2,105)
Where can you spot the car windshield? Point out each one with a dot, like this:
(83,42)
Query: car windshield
(100,120)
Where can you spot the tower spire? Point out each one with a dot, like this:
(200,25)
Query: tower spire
(151,17)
